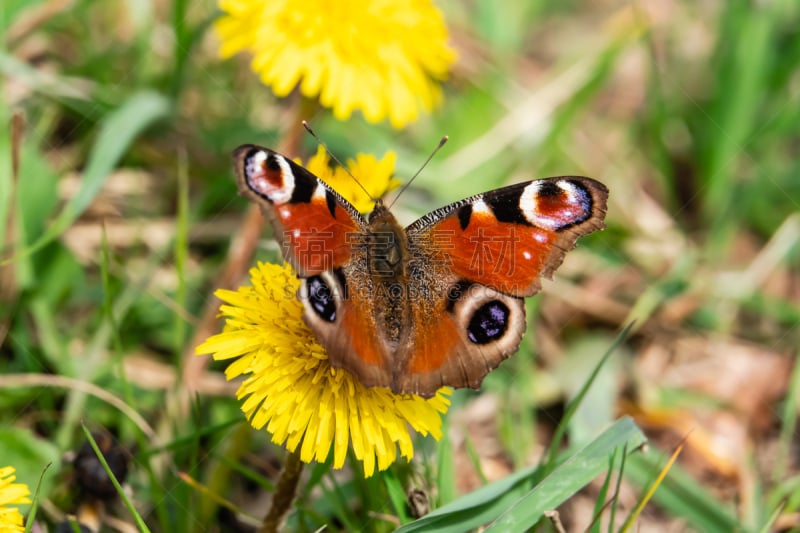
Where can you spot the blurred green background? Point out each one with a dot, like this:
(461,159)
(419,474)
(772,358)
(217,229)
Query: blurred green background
(122,213)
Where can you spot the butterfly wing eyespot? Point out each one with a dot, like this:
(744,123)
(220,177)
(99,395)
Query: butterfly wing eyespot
(459,340)
(268,175)
(556,204)
(486,317)
(321,300)
(344,322)
(489,322)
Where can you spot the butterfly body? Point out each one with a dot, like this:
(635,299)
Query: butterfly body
(438,303)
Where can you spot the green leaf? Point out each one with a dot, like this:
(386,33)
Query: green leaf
(511,504)
(571,476)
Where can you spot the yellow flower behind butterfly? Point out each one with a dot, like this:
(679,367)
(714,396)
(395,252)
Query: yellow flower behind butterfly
(373,174)
(290,386)
(385,58)
(11,494)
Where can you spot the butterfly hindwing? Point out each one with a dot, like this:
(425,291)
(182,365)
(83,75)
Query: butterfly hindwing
(458,339)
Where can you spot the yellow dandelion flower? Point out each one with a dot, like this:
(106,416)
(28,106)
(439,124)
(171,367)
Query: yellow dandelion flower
(291,389)
(383,57)
(11,494)
(375,176)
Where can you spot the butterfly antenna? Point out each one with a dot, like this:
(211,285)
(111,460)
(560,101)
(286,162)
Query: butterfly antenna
(442,141)
(332,156)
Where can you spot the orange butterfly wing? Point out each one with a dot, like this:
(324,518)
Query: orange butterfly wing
(509,238)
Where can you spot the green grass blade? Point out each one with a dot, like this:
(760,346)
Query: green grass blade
(445,478)
(789,414)
(600,500)
(768,525)
(680,495)
(572,406)
(181,251)
(637,511)
(134,513)
(31,518)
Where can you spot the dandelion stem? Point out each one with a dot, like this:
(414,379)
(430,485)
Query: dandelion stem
(284,493)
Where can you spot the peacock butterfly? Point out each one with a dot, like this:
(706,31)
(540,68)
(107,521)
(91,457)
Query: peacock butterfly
(439,303)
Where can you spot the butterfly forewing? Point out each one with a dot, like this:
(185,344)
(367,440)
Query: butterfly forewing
(509,238)
(312,223)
